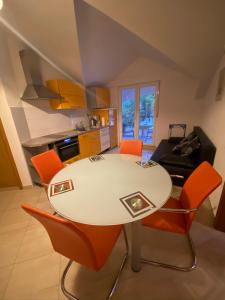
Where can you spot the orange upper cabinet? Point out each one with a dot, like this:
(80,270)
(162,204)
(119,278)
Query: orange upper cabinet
(73,94)
(98,97)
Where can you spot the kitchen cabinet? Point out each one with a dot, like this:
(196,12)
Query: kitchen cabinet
(72,160)
(89,144)
(73,94)
(110,117)
(98,97)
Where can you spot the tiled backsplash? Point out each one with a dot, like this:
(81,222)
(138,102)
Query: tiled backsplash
(41,120)
(44,122)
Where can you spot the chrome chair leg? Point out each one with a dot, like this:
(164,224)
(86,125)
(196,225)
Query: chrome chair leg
(63,288)
(184,269)
(114,286)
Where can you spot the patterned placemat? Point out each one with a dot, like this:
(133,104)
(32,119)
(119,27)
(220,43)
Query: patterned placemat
(137,203)
(61,187)
(147,164)
(96,158)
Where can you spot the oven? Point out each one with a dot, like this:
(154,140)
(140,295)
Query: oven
(67,148)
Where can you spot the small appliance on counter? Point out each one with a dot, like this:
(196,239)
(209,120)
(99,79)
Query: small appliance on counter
(95,121)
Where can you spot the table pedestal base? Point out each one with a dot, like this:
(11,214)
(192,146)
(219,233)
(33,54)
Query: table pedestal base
(136,247)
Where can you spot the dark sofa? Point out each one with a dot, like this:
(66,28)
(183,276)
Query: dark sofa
(178,165)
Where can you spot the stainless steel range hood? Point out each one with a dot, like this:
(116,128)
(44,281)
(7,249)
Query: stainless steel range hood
(35,89)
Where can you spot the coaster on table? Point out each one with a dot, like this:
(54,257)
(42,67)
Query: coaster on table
(96,158)
(147,164)
(137,204)
(61,187)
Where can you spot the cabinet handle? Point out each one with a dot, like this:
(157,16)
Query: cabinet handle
(64,147)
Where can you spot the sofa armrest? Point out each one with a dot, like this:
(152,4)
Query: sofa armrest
(176,176)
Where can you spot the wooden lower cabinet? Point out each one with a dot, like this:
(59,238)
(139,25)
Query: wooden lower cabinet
(72,160)
(95,142)
(110,117)
(89,144)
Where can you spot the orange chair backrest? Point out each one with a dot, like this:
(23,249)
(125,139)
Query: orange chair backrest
(200,184)
(131,147)
(47,164)
(66,237)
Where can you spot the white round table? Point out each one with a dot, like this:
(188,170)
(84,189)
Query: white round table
(98,187)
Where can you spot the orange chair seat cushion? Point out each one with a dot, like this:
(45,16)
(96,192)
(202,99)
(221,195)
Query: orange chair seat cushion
(168,221)
(88,245)
(102,238)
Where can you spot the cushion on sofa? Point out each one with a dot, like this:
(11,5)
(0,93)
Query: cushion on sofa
(190,147)
(184,143)
(177,160)
(180,165)
(207,150)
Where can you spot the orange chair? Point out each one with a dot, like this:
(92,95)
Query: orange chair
(47,164)
(131,147)
(177,215)
(86,244)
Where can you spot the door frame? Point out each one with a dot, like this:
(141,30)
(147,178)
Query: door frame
(137,87)
(11,159)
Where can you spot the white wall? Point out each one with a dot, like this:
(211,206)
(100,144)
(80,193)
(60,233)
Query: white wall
(23,120)
(177,103)
(213,124)
(13,139)
(8,91)
(41,119)
(50,26)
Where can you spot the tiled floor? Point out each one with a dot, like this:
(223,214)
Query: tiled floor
(31,270)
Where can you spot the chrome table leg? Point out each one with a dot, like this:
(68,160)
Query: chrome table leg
(136,246)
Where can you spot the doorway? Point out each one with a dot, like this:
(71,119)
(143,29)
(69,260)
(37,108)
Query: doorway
(138,111)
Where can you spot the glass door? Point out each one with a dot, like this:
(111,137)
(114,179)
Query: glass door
(138,112)
(128,103)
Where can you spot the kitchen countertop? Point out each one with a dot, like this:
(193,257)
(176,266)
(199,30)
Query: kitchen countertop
(51,138)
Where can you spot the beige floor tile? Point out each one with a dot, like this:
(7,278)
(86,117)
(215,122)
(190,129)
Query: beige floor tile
(30,193)
(43,196)
(36,243)
(16,203)
(4,279)
(45,205)
(13,219)
(6,198)
(36,273)
(32,278)
(84,282)
(29,196)
(50,293)
(9,246)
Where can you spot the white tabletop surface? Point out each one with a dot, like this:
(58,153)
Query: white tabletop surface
(98,186)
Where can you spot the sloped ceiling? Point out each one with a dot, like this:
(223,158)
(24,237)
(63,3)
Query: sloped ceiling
(190,32)
(50,26)
(106,47)
(187,35)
